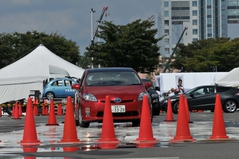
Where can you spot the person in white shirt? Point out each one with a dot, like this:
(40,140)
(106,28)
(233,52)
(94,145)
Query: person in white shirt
(179,89)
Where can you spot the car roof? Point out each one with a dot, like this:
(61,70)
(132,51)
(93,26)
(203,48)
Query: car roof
(106,69)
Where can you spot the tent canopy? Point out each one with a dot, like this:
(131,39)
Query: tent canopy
(28,73)
(231,79)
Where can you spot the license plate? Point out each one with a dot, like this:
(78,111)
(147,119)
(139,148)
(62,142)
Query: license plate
(118,108)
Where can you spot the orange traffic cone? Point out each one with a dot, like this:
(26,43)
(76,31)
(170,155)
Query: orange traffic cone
(145,138)
(108,139)
(35,109)
(169,115)
(218,130)
(59,109)
(16,112)
(29,135)
(182,132)
(20,109)
(70,132)
(187,109)
(52,116)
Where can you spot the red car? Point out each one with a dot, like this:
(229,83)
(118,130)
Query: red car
(122,84)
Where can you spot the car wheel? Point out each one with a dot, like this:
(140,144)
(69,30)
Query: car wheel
(157,111)
(175,107)
(230,106)
(50,95)
(82,123)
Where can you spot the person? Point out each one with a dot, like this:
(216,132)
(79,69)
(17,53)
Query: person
(179,89)
(171,92)
(157,89)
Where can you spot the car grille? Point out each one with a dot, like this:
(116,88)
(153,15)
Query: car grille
(130,113)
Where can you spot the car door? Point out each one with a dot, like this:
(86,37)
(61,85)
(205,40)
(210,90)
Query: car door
(202,98)
(68,91)
(58,88)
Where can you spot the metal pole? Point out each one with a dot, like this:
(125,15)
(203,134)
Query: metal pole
(92,23)
(170,58)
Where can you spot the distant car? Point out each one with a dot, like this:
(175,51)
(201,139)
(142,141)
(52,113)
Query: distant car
(59,88)
(154,97)
(203,98)
(123,85)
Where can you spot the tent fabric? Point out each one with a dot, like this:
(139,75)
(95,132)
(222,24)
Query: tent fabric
(230,79)
(28,73)
(57,71)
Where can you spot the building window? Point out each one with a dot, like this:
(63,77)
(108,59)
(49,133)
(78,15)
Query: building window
(194,3)
(194,13)
(166,4)
(166,22)
(166,40)
(166,13)
(195,39)
(195,22)
(166,31)
(209,12)
(209,21)
(166,50)
(195,31)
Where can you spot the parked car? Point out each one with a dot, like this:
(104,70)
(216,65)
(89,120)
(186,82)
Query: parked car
(123,85)
(59,88)
(203,98)
(154,97)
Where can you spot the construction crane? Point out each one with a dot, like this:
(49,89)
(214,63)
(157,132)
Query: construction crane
(99,21)
(170,58)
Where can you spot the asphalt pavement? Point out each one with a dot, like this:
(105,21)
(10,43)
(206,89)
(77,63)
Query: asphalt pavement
(200,130)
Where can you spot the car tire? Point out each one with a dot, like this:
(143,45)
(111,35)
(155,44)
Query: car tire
(135,123)
(157,111)
(175,107)
(230,106)
(82,123)
(50,95)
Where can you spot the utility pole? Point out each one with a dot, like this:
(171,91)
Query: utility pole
(92,29)
(93,34)
(170,58)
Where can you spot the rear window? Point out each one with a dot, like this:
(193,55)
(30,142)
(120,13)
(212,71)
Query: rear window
(222,89)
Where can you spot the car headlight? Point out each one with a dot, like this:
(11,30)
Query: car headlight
(90,97)
(141,95)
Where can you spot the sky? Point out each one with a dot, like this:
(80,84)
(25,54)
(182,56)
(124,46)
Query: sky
(72,18)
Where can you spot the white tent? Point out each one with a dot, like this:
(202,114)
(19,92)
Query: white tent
(28,73)
(230,79)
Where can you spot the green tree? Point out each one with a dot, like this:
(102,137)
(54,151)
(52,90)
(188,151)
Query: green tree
(16,45)
(132,45)
(202,55)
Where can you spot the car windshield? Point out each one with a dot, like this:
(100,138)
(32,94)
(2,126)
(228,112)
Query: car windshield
(114,78)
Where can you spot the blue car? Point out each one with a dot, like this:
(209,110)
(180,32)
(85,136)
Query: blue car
(59,88)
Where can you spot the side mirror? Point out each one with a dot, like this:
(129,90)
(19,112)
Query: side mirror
(75,86)
(192,95)
(148,85)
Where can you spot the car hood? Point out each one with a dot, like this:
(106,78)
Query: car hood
(115,91)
